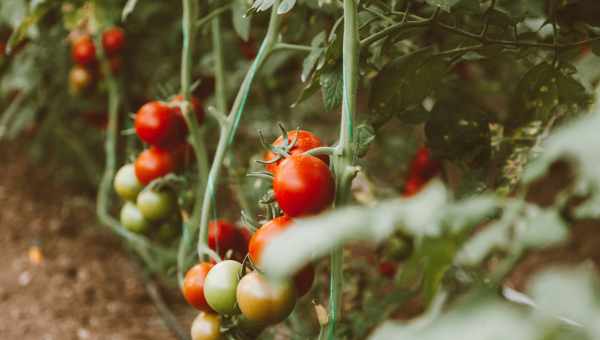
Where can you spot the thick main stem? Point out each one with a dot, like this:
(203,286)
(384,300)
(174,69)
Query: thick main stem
(344,155)
(230,125)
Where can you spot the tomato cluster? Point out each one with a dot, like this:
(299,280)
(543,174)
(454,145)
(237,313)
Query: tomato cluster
(83,52)
(423,168)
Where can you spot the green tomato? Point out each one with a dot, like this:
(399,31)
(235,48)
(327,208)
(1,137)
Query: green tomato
(220,287)
(132,218)
(126,183)
(156,205)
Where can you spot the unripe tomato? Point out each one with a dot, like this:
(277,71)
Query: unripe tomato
(220,287)
(264,235)
(196,106)
(305,140)
(206,326)
(83,51)
(158,124)
(193,286)
(80,79)
(126,183)
(413,186)
(156,205)
(223,236)
(263,301)
(154,163)
(113,40)
(423,165)
(132,218)
(303,185)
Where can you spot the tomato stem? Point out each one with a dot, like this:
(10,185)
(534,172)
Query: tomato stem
(229,126)
(343,157)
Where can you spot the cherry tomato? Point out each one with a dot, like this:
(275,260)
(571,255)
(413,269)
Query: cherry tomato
(220,287)
(423,165)
(248,49)
(388,269)
(154,163)
(413,186)
(156,205)
(303,280)
(206,326)
(223,236)
(126,183)
(80,79)
(196,105)
(113,40)
(132,218)
(158,124)
(264,235)
(83,51)
(303,185)
(263,301)
(193,286)
(305,140)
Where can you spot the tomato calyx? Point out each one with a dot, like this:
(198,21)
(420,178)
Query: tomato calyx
(281,151)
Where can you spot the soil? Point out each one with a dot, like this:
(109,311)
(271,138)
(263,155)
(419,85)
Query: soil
(63,276)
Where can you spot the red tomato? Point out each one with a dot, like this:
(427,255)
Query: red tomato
(303,280)
(423,165)
(223,236)
(305,140)
(264,234)
(83,51)
(388,269)
(413,186)
(154,163)
(158,124)
(303,185)
(113,40)
(193,286)
(196,105)
(248,49)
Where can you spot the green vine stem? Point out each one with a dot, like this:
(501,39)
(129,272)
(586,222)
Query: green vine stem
(157,258)
(343,158)
(228,126)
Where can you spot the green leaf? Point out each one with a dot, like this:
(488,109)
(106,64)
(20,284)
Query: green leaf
(403,84)
(332,83)
(310,62)
(241,22)
(36,13)
(365,136)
